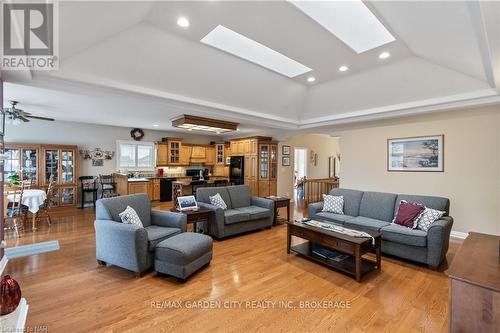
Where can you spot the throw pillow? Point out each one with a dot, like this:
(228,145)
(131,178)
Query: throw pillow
(333,204)
(428,217)
(217,201)
(408,213)
(129,216)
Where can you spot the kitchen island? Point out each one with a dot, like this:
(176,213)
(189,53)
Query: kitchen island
(151,185)
(188,187)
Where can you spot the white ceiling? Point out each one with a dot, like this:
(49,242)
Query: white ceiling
(129,64)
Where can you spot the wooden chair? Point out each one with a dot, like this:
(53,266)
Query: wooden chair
(43,212)
(88,184)
(13,211)
(108,186)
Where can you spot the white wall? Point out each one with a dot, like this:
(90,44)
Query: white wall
(87,136)
(321,144)
(471,177)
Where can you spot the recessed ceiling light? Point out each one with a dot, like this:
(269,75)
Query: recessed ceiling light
(311,79)
(384,55)
(343,68)
(350,21)
(156,125)
(183,22)
(241,46)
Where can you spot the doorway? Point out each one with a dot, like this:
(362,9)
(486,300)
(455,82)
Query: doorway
(299,172)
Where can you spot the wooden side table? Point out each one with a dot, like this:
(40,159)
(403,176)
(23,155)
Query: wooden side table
(194,217)
(278,203)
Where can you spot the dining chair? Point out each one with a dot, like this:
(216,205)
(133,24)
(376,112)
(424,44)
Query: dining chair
(14,211)
(43,212)
(108,186)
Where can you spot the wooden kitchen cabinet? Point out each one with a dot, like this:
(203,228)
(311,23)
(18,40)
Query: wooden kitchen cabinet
(220,154)
(210,156)
(162,154)
(139,187)
(155,193)
(185,155)
(174,152)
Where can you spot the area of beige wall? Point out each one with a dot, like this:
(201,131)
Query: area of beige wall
(323,145)
(471,177)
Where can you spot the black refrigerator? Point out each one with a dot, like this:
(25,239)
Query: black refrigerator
(237,170)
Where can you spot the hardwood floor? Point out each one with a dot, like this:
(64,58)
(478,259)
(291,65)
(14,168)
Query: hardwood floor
(68,292)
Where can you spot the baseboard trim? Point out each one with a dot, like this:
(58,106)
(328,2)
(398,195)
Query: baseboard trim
(459,235)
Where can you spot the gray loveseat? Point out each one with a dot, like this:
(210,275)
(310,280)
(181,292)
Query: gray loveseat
(127,245)
(375,211)
(244,212)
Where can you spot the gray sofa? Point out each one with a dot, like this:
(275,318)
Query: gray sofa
(127,245)
(244,212)
(375,211)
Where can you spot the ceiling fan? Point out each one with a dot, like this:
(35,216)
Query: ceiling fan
(15,115)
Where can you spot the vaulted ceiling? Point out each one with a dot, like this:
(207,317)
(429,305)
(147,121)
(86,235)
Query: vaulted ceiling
(130,64)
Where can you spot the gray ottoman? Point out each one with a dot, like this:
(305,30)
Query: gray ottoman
(183,254)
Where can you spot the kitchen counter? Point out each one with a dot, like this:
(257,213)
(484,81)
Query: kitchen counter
(188,187)
(135,180)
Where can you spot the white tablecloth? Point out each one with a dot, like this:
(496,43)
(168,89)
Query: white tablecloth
(31,198)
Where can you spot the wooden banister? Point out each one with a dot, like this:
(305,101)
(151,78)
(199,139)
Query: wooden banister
(315,188)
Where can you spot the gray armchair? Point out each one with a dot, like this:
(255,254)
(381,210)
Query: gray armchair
(127,245)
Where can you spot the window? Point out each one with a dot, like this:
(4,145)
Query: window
(135,155)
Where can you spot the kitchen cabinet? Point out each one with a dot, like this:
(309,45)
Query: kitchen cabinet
(261,163)
(138,187)
(234,147)
(210,160)
(155,192)
(220,154)
(174,152)
(161,154)
(185,155)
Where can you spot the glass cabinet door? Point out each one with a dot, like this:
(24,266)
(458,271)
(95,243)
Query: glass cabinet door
(12,162)
(54,198)
(67,196)
(264,161)
(67,167)
(220,154)
(29,160)
(175,152)
(273,162)
(52,165)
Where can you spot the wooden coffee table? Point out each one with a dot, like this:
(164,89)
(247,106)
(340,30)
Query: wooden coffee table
(202,215)
(355,265)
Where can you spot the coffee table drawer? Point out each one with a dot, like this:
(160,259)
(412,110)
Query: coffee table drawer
(303,233)
(337,244)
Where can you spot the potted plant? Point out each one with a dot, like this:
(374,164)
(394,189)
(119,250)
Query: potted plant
(14,180)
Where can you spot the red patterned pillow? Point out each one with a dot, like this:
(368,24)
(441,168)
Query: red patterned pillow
(407,213)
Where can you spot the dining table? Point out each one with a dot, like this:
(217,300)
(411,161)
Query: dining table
(32,199)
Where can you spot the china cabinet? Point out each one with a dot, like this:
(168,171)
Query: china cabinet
(38,162)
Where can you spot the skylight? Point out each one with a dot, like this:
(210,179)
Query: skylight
(351,21)
(232,42)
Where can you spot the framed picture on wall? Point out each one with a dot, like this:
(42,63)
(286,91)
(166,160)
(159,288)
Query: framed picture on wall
(285,161)
(285,150)
(424,153)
